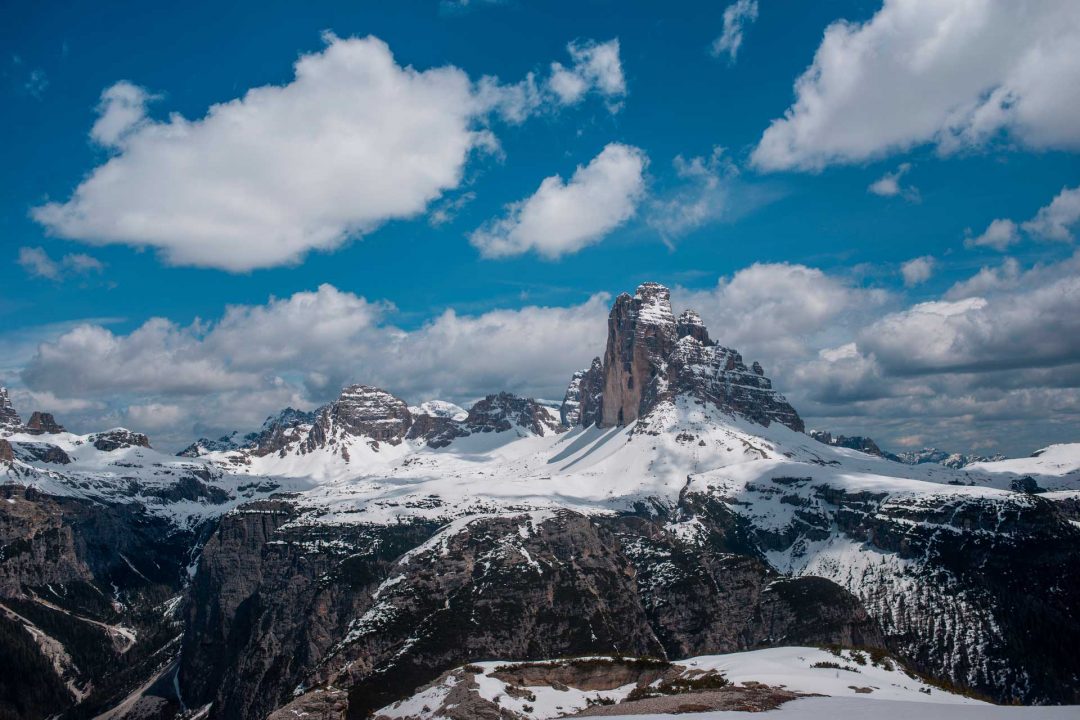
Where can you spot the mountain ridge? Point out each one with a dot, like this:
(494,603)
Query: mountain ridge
(370,547)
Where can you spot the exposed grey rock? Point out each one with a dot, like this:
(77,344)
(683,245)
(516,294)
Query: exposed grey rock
(690,324)
(96,581)
(717,376)
(279,607)
(362,410)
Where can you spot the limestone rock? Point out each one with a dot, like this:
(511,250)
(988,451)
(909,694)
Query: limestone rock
(501,412)
(9,418)
(652,358)
(641,334)
(582,403)
(43,423)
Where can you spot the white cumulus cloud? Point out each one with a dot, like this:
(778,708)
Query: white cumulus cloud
(122,109)
(353,141)
(953,73)
(1057,220)
(300,350)
(562,217)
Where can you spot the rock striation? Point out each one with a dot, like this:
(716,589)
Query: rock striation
(651,358)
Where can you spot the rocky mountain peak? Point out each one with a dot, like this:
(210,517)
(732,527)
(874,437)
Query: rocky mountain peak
(440,409)
(690,324)
(584,396)
(9,418)
(43,423)
(118,438)
(371,412)
(501,412)
(651,357)
(641,334)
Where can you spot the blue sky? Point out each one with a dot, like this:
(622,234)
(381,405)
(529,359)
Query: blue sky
(695,225)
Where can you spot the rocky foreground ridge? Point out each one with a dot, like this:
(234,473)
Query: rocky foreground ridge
(335,561)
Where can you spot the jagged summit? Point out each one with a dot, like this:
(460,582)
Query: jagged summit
(651,357)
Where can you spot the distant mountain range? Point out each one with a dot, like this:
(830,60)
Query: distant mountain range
(362,559)
(908,457)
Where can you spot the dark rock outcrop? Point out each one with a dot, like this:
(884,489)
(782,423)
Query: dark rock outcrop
(690,324)
(641,335)
(855,442)
(43,423)
(582,404)
(118,438)
(85,597)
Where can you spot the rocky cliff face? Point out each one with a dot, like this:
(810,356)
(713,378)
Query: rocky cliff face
(651,358)
(854,442)
(641,335)
(43,423)
(349,608)
(9,417)
(87,594)
(583,402)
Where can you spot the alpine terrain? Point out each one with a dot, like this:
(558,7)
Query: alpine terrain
(667,540)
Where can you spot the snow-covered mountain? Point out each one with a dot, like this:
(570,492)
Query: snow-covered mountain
(672,507)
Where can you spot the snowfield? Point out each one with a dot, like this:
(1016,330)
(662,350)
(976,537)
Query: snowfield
(790,668)
(681,446)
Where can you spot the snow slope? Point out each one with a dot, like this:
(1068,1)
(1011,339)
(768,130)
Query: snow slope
(183,490)
(600,470)
(791,668)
